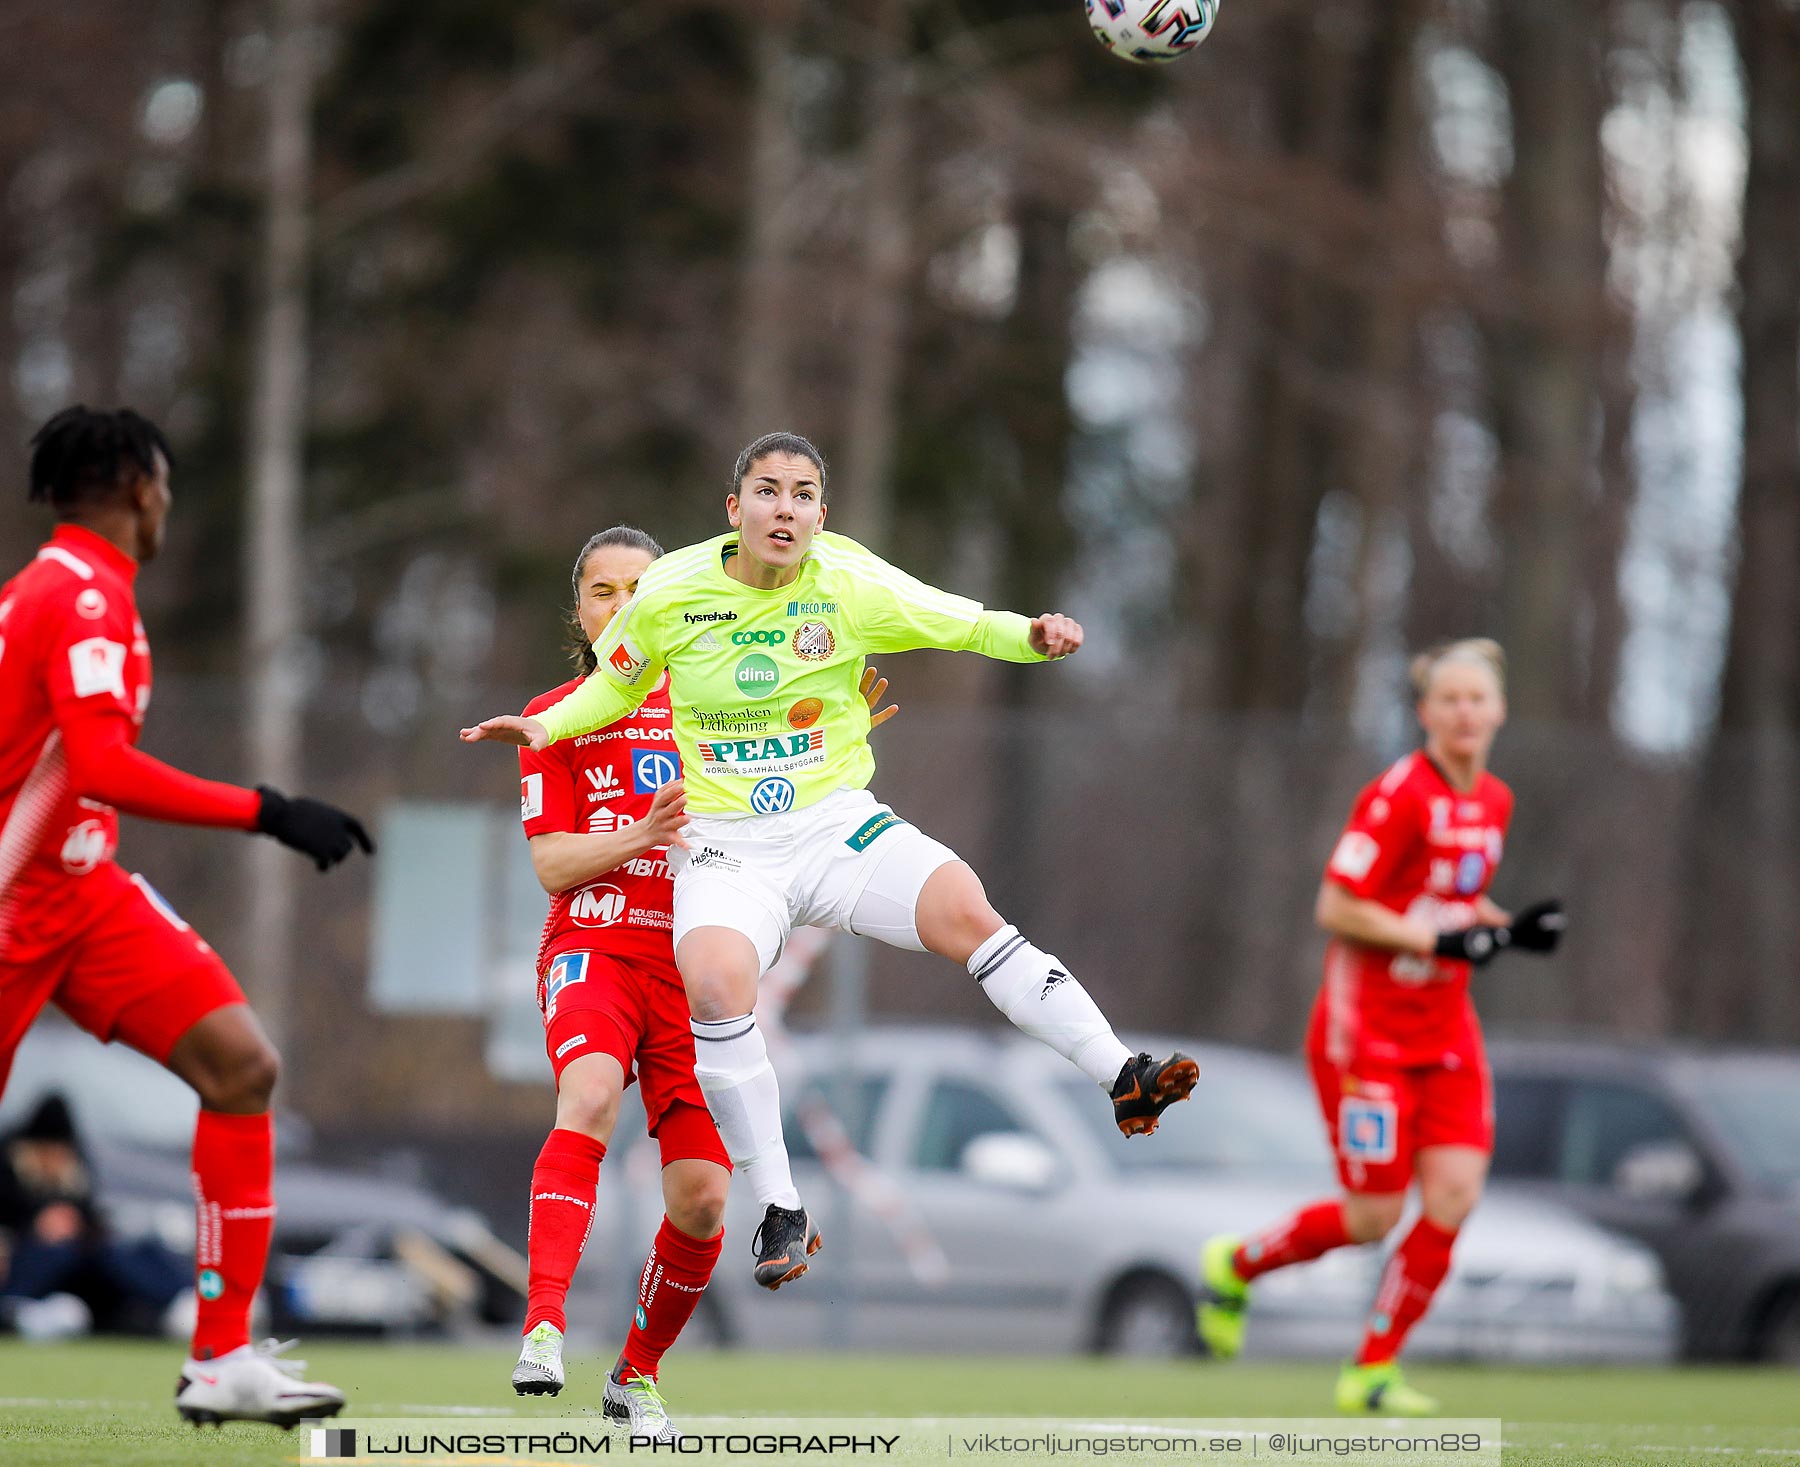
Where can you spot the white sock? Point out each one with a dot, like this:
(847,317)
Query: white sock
(731,1062)
(1043,999)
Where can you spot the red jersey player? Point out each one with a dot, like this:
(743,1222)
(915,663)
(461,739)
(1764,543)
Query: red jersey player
(1394,1045)
(78,930)
(601,812)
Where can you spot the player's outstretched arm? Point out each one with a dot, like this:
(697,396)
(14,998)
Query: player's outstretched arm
(896,612)
(508,728)
(103,765)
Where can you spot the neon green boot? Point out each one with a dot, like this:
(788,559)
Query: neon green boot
(1224,1299)
(1380,1390)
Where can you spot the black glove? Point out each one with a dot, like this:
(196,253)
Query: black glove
(312,827)
(1475,945)
(1539,928)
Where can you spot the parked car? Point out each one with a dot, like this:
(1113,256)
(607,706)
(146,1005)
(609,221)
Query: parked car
(1694,1152)
(351,1251)
(1060,1235)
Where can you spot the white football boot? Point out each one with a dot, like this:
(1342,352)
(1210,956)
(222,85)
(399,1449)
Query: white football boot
(540,1368)
(635,1405)
(251,1383)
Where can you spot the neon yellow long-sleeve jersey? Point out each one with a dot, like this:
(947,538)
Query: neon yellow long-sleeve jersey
(768,715)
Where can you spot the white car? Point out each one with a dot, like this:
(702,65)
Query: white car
(1015,1218)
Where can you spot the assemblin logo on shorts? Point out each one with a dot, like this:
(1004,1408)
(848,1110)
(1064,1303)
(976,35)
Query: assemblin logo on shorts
(694,618)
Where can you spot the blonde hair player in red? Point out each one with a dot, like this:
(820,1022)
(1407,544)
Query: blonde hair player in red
(1394,1044)
(601,812)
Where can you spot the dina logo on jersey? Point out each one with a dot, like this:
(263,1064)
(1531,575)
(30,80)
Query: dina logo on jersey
(773,754)
(756,675)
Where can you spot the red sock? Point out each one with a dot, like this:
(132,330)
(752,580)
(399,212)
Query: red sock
(1309,1232)
(675,1275)
(234,1163)
(1410,1279)
(563,1185)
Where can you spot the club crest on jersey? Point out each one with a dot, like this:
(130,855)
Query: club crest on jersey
(1366,1129)
(814,642)
(651,769)
(569,969)
(771,754)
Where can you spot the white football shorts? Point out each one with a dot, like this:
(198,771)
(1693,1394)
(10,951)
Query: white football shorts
(848,863)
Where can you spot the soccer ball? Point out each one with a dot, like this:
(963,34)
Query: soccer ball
(1151,31)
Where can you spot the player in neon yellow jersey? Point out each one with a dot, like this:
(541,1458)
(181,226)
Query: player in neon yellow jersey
(763,632)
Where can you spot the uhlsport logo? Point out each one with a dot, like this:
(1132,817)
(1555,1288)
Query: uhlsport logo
(756,675)
(332,1441)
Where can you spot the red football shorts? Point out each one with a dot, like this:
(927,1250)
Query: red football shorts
(637,1012)
(136,973)
(1379,1115)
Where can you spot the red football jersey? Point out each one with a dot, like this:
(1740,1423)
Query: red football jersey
(70,639)
(1422,848)
(596,783)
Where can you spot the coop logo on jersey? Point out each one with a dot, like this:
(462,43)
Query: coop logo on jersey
(756,675)
(811,608)
(758,639)
(1366,1129)
(814,642)
(627,661)
(86,847)
(1471,871)
(97,666)
(772,797)
(754,758)
(651,769)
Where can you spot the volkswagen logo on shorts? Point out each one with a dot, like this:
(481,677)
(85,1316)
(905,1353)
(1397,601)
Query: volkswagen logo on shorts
(772,796)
